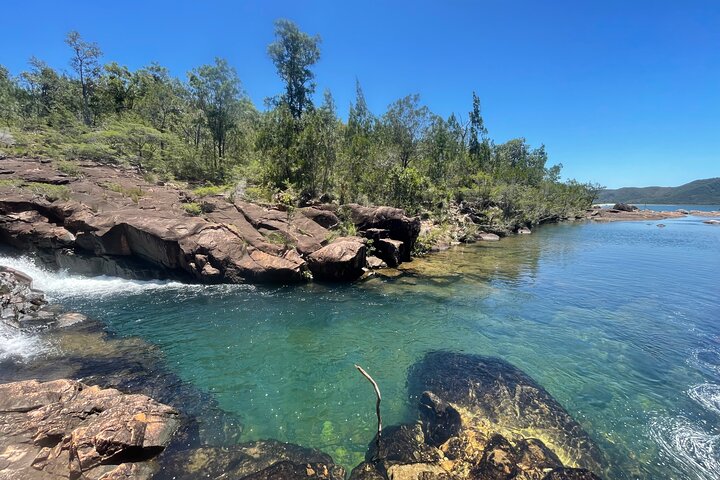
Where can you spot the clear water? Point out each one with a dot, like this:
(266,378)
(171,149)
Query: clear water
(620,322)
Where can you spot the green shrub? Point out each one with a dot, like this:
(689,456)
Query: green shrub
(69,168)
(192,208)
(210,190)
(134,193)
(49,191)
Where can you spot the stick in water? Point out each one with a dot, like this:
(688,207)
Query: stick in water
(377,405)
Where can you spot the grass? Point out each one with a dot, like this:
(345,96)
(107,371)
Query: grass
(210,190)
(134,193)
(10,182)
(69,168)
(192,208)
(49,191)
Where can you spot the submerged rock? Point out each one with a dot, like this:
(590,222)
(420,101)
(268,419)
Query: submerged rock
(66,429)
(480,418)
(494,396)
(254,460)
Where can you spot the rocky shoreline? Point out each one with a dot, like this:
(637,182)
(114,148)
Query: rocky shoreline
(625,212)
(109,220)
(94,413)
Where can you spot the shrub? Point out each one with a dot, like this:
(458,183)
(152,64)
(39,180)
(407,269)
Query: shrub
(134,193)
(210,190)
(69,168)
(49,191)
(192,208)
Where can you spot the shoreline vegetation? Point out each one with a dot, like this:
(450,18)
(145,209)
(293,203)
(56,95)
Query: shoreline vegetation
(203,132)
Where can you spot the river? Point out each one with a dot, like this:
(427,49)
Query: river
(620,322)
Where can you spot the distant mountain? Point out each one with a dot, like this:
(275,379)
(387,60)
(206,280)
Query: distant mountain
(699,192)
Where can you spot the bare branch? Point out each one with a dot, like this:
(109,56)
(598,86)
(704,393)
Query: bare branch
(379,399)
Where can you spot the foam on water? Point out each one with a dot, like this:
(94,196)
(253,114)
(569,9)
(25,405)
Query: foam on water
(60,285)
(707,395)
(15,344)
(688,445)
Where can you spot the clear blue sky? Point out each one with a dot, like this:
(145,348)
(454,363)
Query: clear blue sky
(622,92)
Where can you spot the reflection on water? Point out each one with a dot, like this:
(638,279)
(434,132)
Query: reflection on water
(617,321)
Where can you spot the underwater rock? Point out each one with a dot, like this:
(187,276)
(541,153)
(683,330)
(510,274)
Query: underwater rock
(254,460)
(570,474)
(498,462)
(494,396)
(65,428)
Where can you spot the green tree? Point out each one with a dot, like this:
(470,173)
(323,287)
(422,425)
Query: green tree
(85,62)
(405,124)
(8,97)
(216,90)
(293,52)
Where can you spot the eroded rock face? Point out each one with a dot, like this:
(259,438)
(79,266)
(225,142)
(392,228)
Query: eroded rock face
(66,429)
(398,225)
(110,221)
(254,460)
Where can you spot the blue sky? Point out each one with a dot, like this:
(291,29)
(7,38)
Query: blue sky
(620,92)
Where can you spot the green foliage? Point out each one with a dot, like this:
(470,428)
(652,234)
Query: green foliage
(192,208)
(49,191)
(69,168)
(206,131)
(133,193)
(210,190)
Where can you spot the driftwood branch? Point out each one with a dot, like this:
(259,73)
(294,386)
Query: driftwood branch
(377,405)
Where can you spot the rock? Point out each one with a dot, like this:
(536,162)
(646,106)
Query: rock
(366,471)
(524,231)
(712,222)
(441,421)
(683,211)
(67,429)
(68,319)
(661,225)
(402,444)
(324,218)
(506,400)
(570,474)
(417,471)
(488,237)
(375,263)
(18,301)
(624,207)
(389,250)
(499,461)
(399,226)
(342,260)
(534,458)
(254,460)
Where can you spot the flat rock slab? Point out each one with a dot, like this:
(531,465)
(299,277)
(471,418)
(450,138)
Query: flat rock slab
(66,429)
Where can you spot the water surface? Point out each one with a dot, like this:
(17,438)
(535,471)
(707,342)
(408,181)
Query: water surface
(618,321)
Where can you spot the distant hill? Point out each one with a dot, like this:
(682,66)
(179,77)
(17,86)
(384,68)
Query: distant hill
(699,192)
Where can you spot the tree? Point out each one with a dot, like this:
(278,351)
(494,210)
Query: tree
(478,145)
(85,63)
(405,124)
(217,92)
(293,53)
(8,100)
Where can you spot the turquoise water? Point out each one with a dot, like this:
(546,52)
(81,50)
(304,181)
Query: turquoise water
(619,321)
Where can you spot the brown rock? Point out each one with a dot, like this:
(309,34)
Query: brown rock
(67,429)
(394,220)
(343,259)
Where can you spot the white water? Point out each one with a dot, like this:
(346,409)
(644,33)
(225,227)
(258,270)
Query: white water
(59,286)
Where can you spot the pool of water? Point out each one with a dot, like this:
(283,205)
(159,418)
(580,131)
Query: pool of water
(620,322)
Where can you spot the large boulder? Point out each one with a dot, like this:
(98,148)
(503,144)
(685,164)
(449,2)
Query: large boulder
(625,207)
(399,226)
(496,397)
(343,259)
(66,429)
